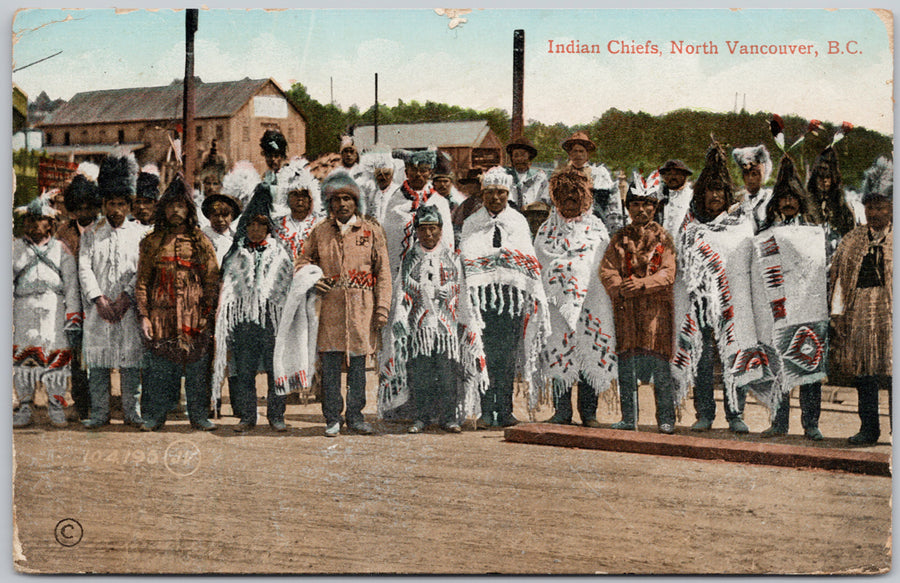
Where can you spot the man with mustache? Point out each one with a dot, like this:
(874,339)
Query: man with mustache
(638,272)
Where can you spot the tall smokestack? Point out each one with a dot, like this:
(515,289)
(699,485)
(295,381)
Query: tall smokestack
(518,120)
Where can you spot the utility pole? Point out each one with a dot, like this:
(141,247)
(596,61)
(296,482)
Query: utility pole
(376,109)
(188,141)
(518,120)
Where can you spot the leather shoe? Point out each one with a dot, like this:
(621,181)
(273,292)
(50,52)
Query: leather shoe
(814,434)
(592,422)
(483,423)
(624,425)
(94,423)
(150,426)
(863,439)
(738,426)
(773,431)
(452,428)
(702,425)
(558,419)
(204,425)
(507,421)
(242,427)
(361,428)
(416,427)
(667,428)
(278,426)
(333,429)
(134,422)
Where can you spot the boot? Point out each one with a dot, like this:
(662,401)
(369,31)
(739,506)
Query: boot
(562,405)
(55,403)
(22,415)
(486,421)
(504,402)
(869,431)
(628,400)
(587,404)
(25,391)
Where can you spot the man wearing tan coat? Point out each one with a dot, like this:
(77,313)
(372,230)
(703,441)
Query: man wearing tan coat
(638,272)
(355,293)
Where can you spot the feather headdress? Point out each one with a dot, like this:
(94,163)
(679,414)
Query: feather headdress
(240,182)
(295,175)
(40,206)
(651,187)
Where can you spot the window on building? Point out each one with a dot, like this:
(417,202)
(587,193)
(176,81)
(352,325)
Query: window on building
(220,132)
(121,138)
(66,139)
(199,133)
(49,139)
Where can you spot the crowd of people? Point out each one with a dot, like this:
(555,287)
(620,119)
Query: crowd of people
(459,289)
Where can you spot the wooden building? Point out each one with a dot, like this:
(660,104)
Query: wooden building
(471,144)
(148,121)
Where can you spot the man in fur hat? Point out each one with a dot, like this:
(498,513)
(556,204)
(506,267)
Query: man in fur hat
(676,195)
(274,149)
(82,199)
(107,266)
(176,292)
(581,346)
(146,194)
(256,275)
(46,307)
(442,180)
(298,190)
(529,184)
(713,251)
(415,191)
(607,202)
(355,293)
(638,272)
(436,361)
(377,185)
(789,302)
(861,300)
(756,166)
(505,278)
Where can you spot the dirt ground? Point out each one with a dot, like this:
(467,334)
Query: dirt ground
(180,501)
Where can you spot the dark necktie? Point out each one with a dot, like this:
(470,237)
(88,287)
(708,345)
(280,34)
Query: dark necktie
(496,236)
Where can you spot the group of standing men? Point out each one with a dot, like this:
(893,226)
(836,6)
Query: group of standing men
(458,297)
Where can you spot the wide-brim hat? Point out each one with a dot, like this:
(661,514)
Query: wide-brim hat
(676,166)
(580,138)
(206,207)
(522,143)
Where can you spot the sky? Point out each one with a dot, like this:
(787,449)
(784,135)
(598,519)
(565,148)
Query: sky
(418,56)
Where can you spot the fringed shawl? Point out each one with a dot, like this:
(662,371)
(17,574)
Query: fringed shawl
(514,265)
(254,287)
(789,302)
(431,315)
(398,222)
(582,338)
(294,358)
(714,261)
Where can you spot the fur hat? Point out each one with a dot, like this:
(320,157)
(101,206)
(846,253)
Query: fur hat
(417,157)
(878,181)
(745,157)
(571,179)
(240,182)
(580,138)
(82,189)
(373,160)
(443,166)
(118,174)
(522,143)
(787,183)
(40,206)
(273,142)
(295,175)
(339,182)
(496,177)
(148,183)
(427,214)
(714,176)
(649,189)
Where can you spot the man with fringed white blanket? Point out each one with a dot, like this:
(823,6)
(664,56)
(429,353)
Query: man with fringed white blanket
(256,274)
(581,347)
(789,301)
(504,279)
(713,253)
(436,362)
